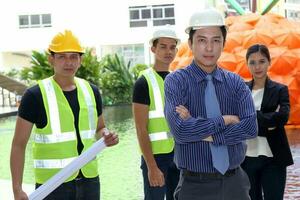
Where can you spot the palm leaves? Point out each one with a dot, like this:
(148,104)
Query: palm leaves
(111,74)
(39,69)
(90,67)
(116,81)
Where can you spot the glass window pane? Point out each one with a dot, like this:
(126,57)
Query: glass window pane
(163,22)
(46,19)
(139,49)
(146,14)
(23,20)
(34,19)
(134,14)
(138,24)
(157,13)
(169,12)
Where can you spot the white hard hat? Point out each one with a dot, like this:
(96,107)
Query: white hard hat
(204,18)
(165,32)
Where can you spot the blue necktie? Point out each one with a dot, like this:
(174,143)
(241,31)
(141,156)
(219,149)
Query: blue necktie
(219,154)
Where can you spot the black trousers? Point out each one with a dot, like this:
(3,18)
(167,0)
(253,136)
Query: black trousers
(266,177)
(79,189)
(171,174)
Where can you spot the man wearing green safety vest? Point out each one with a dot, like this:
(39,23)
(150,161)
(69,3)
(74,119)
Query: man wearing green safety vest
(160,174)
(66,113)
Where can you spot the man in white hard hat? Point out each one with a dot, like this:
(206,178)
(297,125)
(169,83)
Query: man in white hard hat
(160,174)
(210,114)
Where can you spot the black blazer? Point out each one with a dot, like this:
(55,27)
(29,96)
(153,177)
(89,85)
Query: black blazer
(271,121)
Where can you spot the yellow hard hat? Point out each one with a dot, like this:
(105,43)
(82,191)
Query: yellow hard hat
(65,42)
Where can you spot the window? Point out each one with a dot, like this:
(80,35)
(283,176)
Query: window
(146,14)
(138,23)
(23,20)
(162,22)
(134,14)
(46,20)
(292,10)
(293,15)
(35,21)
(169,12)
(156,15)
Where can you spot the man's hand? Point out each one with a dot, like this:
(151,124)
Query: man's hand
(110,138)
(183,112)
(231,119)
(20,195)
(156,177)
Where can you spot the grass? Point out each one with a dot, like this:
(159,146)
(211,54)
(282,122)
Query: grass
(120,175)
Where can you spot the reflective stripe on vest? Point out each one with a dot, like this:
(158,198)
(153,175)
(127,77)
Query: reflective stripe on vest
(52,163)
(52,103)
(159,136)
(159,110)
(63,137)
(88,100)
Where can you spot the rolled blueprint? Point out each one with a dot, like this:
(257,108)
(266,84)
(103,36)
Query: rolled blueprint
(66,172)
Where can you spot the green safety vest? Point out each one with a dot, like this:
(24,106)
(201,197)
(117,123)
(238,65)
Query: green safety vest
(55,145)
(158,129)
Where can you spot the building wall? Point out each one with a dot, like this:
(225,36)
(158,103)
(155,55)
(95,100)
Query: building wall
(292,9)
(14,61)
(95,23)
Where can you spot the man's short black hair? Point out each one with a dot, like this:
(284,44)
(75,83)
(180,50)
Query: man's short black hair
(52,53)
(223,30)
(154,43)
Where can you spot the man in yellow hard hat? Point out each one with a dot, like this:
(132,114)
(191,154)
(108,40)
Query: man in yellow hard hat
(66,113)
(160,174)
(211,113)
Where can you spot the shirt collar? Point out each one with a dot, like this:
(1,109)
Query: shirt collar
(200,74)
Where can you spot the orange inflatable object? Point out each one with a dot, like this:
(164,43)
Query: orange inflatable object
(287,37)
(240,26)
(261,36)
(279,34)
(233,40)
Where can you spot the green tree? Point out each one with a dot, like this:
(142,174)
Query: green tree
(136,69)
(116,81)
(40,68)
(90,67)
(13,73)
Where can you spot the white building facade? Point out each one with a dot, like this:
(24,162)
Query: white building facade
(115,26)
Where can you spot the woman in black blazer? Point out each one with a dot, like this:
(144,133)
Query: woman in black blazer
(269,154)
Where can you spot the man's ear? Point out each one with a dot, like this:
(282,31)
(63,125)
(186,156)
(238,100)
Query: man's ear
(190,43)
(50,59)
(153,48)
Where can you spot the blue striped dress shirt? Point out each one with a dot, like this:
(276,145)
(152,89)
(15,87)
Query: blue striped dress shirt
(186,87)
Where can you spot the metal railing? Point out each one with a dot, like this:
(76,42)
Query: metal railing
(8,99)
